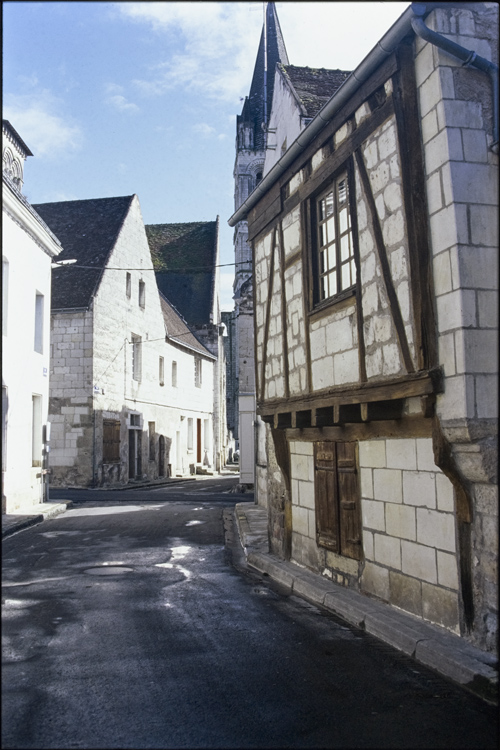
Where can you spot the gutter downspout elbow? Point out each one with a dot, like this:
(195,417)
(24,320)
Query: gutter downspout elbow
(468,57)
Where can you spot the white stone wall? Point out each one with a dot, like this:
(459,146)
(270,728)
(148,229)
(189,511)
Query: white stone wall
(409,529)
(462,195)
(284,123)
(25,372)
(92,376)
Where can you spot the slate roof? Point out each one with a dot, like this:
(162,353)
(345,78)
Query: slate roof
(177,330)
(314,86)
(184,257)
(88,230)
(253,108)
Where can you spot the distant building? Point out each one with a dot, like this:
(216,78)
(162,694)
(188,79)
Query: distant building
(28,247)
(375,250)
(251,144)
(186,263)
(131,396)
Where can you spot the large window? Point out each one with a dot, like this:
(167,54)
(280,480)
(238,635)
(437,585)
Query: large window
(111,441)
(336,489)
(335,263)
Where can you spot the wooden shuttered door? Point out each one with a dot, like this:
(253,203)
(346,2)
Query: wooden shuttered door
(338,518)
(111,441)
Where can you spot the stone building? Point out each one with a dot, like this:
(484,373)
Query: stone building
(131,393)
(375,249)
(186,262)
(28,248)
(251,144)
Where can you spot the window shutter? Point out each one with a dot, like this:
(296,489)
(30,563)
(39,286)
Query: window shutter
(350,520)
(325,489)
(111,441)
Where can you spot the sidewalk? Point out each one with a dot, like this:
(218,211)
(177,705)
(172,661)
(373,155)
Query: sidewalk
(11,523)
(442,651)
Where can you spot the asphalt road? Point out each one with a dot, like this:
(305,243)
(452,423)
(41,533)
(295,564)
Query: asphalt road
(128,622)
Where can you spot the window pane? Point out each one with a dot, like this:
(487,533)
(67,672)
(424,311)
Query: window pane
(353,271)
(343,220)
(345,247)
(342,190)
(333,283)
(332,258)
(346,276)
(322,238)
(331,229)
(322,261)
(328,204)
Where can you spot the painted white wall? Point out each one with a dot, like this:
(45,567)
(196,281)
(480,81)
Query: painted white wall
(28,249)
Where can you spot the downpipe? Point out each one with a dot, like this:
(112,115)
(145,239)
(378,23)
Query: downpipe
(468,57)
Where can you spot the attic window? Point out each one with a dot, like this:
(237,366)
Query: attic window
(128,286)
(377,98)
(142,294)
(258,178)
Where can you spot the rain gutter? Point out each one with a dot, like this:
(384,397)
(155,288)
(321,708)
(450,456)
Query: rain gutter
(373,60)
(468,57)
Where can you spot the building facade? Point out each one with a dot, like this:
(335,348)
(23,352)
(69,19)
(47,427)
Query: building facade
(131,395)
(28,248)
(251,144)
(375,247)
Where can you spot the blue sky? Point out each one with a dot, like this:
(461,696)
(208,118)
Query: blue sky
(137,97)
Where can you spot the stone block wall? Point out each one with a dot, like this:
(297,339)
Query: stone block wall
(409,529)
(462,195)
(71,398)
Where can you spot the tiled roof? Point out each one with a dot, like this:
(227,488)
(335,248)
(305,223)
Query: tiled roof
(184,257)
(314,86)
(177,329)
(88,230)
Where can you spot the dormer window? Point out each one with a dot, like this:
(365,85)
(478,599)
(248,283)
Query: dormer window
(258,178)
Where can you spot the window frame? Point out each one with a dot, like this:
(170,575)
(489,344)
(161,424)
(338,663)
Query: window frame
(317,302)
(198,369)
(39,322)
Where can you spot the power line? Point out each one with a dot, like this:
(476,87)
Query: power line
(55,264)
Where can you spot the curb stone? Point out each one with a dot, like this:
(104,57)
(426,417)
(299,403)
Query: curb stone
(426,643)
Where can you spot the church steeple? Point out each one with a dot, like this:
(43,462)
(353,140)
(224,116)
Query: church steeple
(257,107)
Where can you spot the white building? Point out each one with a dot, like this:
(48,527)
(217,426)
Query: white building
(131,394)
(28,247)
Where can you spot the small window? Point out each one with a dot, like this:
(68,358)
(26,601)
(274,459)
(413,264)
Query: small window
(190,441)
(128,286)
(36,430)
(142,294)
(111,441)
(135,420)
(39,302)
(174,374)
(136,357)
(152,443)
(161,371)
(197,372)
(335,261)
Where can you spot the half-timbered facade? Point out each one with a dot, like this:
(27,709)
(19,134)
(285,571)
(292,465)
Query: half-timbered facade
(374,246)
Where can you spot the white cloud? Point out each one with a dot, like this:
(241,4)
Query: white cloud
(38,120)
(212,46)
(203,129)
(119,102)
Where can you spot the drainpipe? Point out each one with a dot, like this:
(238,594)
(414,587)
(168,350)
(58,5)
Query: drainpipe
(468,57)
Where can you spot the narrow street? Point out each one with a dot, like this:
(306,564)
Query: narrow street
(130,621)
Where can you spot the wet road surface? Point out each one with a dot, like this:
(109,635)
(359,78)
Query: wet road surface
(127,625)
